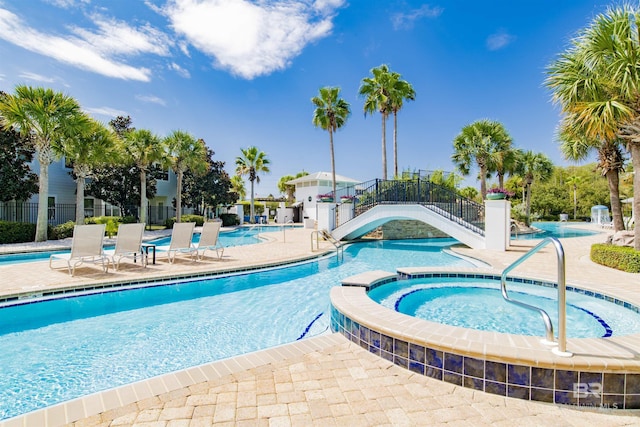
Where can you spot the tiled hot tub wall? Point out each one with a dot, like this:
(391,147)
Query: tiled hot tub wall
(594,389)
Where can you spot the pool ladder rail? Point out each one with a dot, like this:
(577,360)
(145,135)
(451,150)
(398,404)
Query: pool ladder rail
(329,238)
(559,347)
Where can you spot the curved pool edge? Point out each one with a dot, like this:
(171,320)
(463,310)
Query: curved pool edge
(603,373)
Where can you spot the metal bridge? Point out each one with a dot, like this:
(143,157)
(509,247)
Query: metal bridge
(379,201)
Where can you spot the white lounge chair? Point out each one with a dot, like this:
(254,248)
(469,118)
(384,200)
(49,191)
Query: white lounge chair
(86,246)
(128,244)
(181,236)
(209,239)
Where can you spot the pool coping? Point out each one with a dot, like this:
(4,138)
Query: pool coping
(405,340)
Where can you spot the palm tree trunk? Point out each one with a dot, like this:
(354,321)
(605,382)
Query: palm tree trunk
(143,196)
(43,201)
(80,200)
(483,181)
(575,202)
(333,178)
(635,160)
(614,196)
(395,144)
(384,146)
(252,218)
(528,204)
(179,196)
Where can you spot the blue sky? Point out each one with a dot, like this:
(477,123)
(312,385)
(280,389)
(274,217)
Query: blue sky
(238,73)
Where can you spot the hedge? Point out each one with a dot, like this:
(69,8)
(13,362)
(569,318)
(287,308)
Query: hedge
(622,258)
(17,232)
(229,219)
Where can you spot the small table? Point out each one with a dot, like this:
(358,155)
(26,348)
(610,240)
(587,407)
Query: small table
(145,250)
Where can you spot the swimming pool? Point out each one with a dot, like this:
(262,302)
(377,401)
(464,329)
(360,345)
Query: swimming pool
(478,304)
(71,347)
(561,230)
(236,237)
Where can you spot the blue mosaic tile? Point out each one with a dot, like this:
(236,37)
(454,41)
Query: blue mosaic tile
(565,380)
(613,383)
(473,367)
(632,401)
(387,356)
(401,348)
(453,362)
(432,372)
(452,377)
(518,392)
(541,377)
(566,397)
(400,361)
(473,383)
(416,367)
(613,401)
(374,350)
(633,384)
(417,353)
(495,388)
(542,395)
(374,339)
(592,399)
(495,371)
(386,343)
(364,334)
(434,358)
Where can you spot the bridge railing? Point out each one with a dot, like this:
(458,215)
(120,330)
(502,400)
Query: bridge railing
(438,198)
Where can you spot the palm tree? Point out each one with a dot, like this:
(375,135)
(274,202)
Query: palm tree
(505,162)
(596,83)
(144,149)
(574,181)
(237,186)
(479,142)
(252,162)
(86,151)
(47,117)
(576,146)
(533,167)
(331,114)
(377,92)
(184,152)
(401,91)
(289,190)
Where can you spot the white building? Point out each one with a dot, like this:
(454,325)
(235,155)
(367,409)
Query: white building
(308,188)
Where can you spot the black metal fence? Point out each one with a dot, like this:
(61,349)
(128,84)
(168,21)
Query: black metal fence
(60,213)
(438,198)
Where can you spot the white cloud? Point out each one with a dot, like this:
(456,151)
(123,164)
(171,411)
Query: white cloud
(178,69)
(251,38)
(36,77)
(116,37)
(87,53)
(151,99)
(106,111)
(407,20)
(499,40)
(66,4)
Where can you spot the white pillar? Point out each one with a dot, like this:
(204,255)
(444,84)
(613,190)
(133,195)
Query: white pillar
(240,212)
(497,224)
(326,215)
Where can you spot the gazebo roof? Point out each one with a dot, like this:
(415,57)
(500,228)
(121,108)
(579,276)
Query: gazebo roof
(322,176)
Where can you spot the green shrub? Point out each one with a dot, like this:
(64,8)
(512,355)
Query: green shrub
(229,220)
(198,219)
(168,223)
(129,219)
(621,258)
(62,231)
(17,232)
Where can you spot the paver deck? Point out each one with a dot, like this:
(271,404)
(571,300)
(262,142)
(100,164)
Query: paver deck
(321,381)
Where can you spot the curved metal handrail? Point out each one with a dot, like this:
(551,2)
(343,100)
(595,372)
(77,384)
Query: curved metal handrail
(562,308)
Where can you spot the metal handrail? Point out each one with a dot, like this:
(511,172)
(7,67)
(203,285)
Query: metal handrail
(328,237)
(284,226)
(562,290)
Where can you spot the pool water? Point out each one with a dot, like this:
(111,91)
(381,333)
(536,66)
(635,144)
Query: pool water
(71,347)
(237,237)
(561,230)
(478,304)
